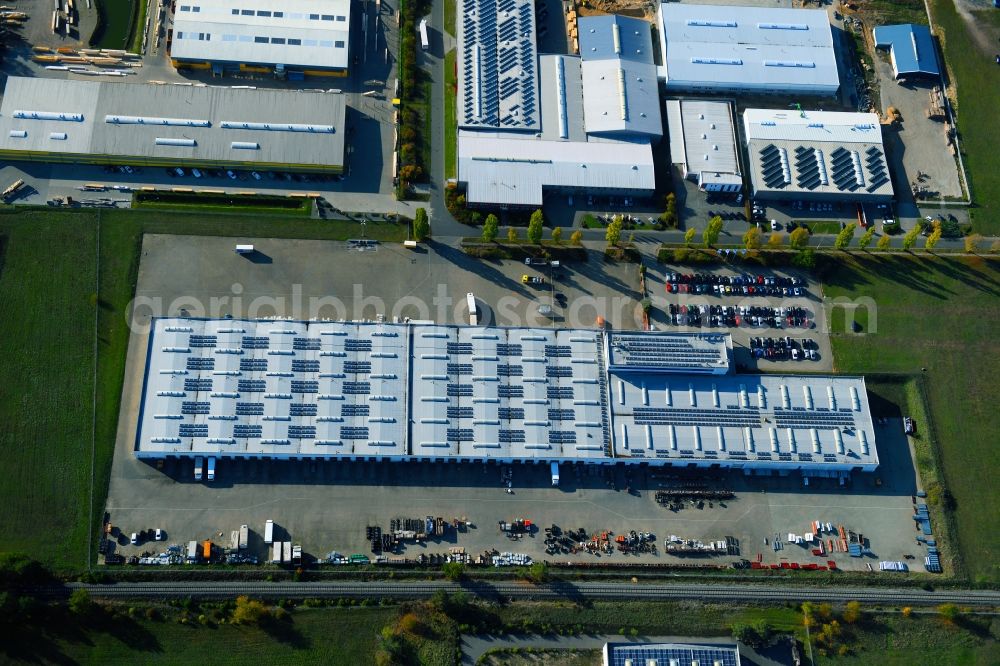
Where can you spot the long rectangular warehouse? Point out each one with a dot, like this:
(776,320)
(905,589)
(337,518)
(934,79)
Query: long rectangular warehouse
(53,120)
(310,36)
(724,48)
(377,391)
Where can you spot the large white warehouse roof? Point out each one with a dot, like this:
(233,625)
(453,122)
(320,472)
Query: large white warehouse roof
(296,33)
(324,390)
(722,47)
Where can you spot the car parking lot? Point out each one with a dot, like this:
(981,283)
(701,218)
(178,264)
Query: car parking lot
(775,317)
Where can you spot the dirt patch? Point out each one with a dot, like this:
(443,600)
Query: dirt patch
(644,9)
(981,31)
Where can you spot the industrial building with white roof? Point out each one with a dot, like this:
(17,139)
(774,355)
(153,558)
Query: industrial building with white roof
(816,156)
(397,392)
(530,123)
(57,120)
(703,143)
(310,36)
(726,48)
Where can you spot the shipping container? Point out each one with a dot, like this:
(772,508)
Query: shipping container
(276,553)
(286,552)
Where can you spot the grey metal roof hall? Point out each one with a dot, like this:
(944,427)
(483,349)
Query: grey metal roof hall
(620,88)
(911,49)
(615,37)
(171,123)
(816,155)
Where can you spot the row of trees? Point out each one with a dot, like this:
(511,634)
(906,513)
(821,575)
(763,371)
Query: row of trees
(798,239)
(536,229)
(411,155)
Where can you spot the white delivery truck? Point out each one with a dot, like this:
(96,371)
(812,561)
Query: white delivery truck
(211,469)
(555,474)
(425,42)
(269,532)
(244,249)
(198,462)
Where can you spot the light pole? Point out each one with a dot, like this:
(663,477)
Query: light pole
(363,223)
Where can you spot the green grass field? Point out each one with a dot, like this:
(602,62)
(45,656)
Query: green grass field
(978,83)
(49,300)
(648,618)
(449,17)
(450,121)
(940,314)
(47,318)
(920,640)
(315,636)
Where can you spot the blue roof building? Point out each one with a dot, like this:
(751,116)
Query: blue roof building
(911,49)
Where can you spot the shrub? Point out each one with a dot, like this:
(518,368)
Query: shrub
(535,227)
(557,235)
(576,238)
(751,239)
(614,232)
(421,225)
(490,228)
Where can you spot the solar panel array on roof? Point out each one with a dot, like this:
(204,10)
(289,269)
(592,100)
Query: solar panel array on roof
(669,353)
(347,390)
(498,81)
(671,654)
(825,154)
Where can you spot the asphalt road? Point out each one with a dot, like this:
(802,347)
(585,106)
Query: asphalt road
(526,591)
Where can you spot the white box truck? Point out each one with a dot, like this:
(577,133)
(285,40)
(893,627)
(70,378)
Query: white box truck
(244,249)
(276,553)
(192,554)
(269,532)
(425,42)
(198,462)
(211,469)
(244,536)
(555,474)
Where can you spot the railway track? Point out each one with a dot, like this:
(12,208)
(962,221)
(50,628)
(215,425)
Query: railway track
(515,590)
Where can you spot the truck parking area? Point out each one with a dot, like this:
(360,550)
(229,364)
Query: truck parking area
(676,517)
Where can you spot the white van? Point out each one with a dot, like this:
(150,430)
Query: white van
(198,461)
